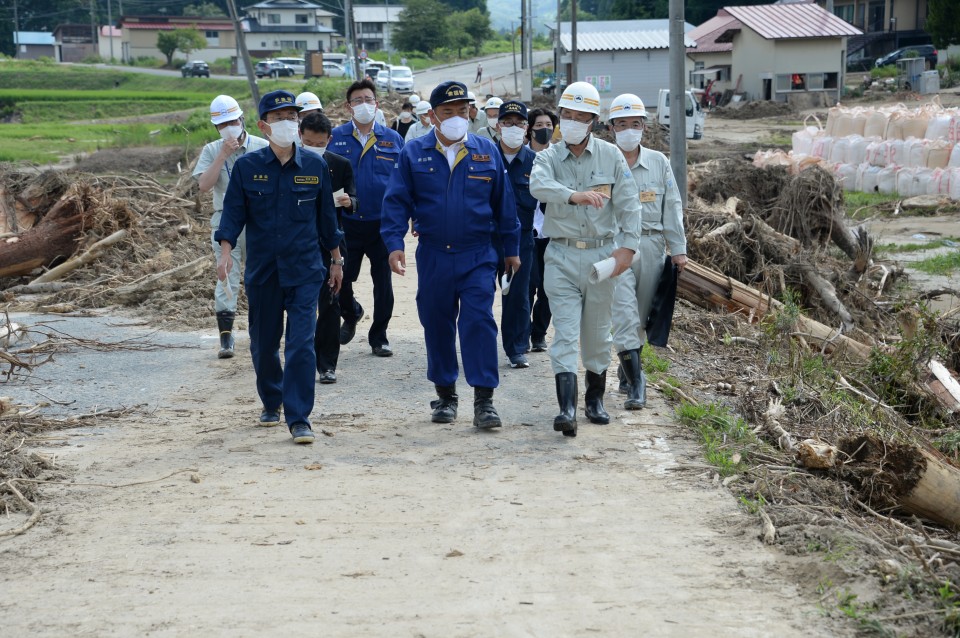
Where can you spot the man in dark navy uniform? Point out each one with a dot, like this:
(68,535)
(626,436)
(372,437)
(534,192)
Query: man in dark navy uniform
(454,186)
(282,196)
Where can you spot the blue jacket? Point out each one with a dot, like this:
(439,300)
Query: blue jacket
(453,211)
(288,212)
(519,172)
(372,167)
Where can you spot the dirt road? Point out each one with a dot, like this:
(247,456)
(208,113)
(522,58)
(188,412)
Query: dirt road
(387,526)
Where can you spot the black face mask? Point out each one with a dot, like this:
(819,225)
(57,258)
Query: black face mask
(542,135)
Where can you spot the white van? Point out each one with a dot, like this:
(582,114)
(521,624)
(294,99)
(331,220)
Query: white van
(401,79)
(299,65)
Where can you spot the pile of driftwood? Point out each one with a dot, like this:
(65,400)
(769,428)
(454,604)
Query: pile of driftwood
(75,240)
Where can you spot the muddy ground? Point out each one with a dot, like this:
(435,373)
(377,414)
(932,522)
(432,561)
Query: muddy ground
(184,517)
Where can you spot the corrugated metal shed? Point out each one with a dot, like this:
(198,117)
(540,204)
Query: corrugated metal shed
(784,21)
(34,38)
(621,41)
(707,33)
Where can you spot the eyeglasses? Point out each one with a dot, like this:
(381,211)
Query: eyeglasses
(357,101)
(288,118)
(513,124)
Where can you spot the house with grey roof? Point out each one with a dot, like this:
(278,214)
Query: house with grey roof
(272,26)
(774,52)
(621,56)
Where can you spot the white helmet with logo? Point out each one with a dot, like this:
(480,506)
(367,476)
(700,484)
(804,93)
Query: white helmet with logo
(627,105)
(308,101)
(493,103)
(422,107)
(472,97)
(581,96)
(224,109)
(414,99)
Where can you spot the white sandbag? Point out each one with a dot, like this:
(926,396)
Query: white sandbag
(896,152)
(846,174)
(935,185)
(922,182)
(822,146)
(938,127)
(915,125)
(838,152)
(876,153)
(868,178)
(850,122)
(938,154)
(803,139)
(954,192)
(857,151)
(953,134)
(915,151)
(905,181)
(887,179)
(832,115)
(945,182)
(876,125)
(954,157)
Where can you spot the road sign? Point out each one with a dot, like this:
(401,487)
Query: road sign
(363,54)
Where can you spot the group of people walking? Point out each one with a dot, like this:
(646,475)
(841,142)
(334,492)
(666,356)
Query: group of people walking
(491,196)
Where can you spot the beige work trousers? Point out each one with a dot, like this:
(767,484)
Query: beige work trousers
(634,294)
(581,310)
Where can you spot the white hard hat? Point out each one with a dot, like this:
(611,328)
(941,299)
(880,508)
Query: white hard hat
(627,105)
(580,96)
(308,101)
(414,99)
(472,97)
(224,109)
(422,108)
(493,103)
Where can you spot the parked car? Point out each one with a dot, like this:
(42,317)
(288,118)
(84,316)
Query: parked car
(372,73)
(383,79)
(926,51)
(401,79)
(272,68)
(859,62)
(299,65)
(195,69)
(333,70)
(549,85)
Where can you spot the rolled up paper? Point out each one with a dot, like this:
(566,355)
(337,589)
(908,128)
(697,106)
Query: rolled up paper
(604,269)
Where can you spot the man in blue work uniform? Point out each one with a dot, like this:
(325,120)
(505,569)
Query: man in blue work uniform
(518,158)
(282,196)
(373,151)
(454,186)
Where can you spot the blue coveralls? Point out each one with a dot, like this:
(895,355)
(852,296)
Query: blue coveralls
(290,219)
(372,166)
(515,315)
(455,213)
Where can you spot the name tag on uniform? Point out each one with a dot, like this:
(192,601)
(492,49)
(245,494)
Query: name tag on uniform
(647,197)
(306,179)
(385,144)
(476,157)
(603,189)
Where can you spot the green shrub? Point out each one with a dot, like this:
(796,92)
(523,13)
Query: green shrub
(889,71)
(328,89)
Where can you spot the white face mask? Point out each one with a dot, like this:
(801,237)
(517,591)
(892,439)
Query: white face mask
(492,122)
(573,132)
(284,132)
(454,128)
(513,136)
(629,139)
(406,116)
(316,149)
(231,132)
(364,113)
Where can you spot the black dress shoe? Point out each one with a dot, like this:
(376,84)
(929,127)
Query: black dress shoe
(328,376)
(347,332)
(539,345)
(383,351)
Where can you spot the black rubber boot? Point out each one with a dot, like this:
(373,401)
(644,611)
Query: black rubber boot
(622,377)
(566,421)
(445,408)
(633,369)
(484,414)
(225,325)
(593,406)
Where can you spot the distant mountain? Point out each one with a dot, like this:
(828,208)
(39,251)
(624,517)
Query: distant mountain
(503,12)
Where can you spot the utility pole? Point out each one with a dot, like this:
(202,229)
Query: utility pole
(513,43)
(348,27)
(110,26)
(16,31)
(93,25)
(523,34)
(244,53)
(678,100)
(574,55)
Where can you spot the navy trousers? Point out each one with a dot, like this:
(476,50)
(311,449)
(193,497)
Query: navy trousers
(515,315)
(540,320)
(291,385)
(455,293)
(363,238)
(327,339)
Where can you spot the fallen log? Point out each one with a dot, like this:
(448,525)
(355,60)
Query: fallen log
(76,262)
(139,289)
(921,481)
(54,237)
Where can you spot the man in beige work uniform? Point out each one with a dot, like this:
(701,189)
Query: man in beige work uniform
(593,212)
(661,227)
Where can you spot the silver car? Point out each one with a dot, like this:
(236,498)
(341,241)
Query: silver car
(400,79)
(333,70)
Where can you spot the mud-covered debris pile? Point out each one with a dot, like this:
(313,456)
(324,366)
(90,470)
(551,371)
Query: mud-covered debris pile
(754,110)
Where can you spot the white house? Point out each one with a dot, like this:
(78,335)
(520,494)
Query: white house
(110,35)
(373,25)
(621,56)
(272,26)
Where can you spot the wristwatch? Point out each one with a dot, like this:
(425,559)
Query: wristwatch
(338,262)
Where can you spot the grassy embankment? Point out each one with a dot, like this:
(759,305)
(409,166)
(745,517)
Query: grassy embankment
(55,110)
